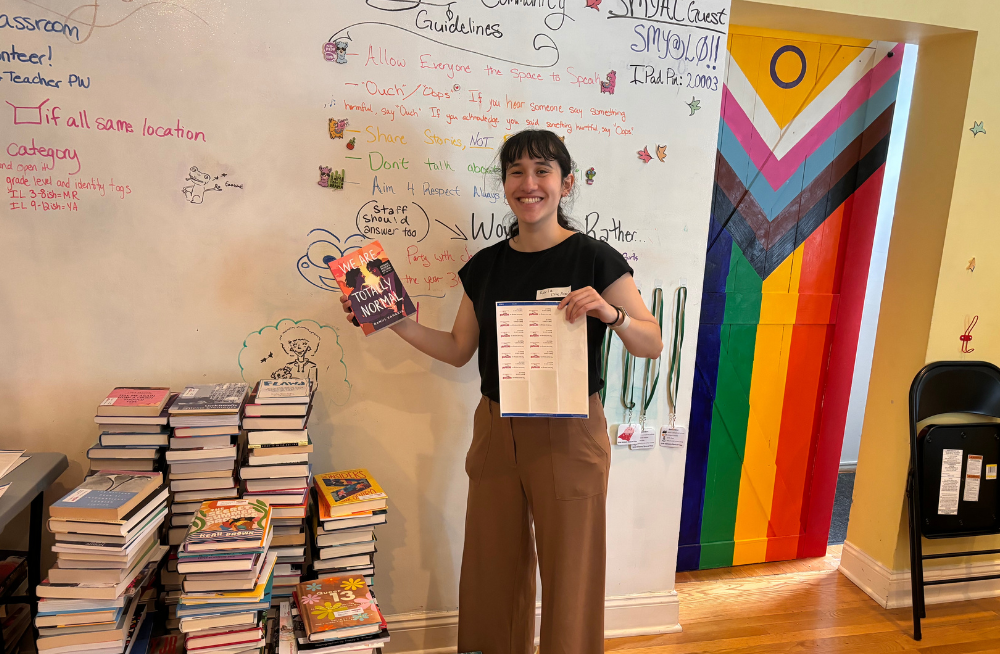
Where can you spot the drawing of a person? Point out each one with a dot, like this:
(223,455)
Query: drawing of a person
(298,342)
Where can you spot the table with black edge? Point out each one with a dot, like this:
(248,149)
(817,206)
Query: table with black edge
(27,486)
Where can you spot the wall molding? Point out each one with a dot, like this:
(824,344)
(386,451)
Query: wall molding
(436,632)
(891,588)
(848,466)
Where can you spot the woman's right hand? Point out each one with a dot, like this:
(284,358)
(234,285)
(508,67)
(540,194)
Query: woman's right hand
(346,303)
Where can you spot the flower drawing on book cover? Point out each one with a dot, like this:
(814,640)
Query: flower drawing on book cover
(344,488)
(328,611)
(377,295)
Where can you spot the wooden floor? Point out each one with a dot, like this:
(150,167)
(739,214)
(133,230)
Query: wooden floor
(808,607)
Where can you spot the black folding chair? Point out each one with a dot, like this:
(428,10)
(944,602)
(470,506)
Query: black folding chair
(950,387)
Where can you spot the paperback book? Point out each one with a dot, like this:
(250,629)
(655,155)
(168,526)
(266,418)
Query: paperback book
(228,521)
(377,295)
(139,401)
(348,491)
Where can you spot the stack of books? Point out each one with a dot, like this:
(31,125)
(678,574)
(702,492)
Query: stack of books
(350,504)
(108,550)
(206,422)
(275,468)
(228,574)
(14,618)
(335,614)
(133,423)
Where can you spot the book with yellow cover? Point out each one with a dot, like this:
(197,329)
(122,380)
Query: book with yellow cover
(348,491)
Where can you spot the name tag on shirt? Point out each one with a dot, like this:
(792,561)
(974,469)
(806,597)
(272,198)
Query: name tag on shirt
(553,293)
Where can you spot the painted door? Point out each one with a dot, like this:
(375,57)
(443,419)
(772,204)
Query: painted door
(802,143)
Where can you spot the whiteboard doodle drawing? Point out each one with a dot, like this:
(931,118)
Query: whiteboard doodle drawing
(302,349)
(299,343)
(324,247)
(195,191)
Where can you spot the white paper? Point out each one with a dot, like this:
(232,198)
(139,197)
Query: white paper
(542,360)
(553,293)
(973,473)
(951,479)
(644,440)
(9,460)
(673,436)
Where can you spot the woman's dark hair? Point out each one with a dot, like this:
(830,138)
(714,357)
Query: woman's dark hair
(352,277)
(537,144)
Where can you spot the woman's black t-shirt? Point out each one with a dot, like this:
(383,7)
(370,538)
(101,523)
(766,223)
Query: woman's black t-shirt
(500,273)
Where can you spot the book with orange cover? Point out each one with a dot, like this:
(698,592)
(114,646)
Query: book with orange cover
(367,277)
(348,491)
(337,607)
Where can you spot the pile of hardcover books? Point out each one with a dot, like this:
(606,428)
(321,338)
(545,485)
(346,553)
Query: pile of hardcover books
(335,614)
(133,423)
(14,618)
(206,421)
(228,574)
(108,550)
(202,457)
(350,503)
(275,468)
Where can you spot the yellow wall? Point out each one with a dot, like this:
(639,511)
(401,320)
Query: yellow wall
(944,216)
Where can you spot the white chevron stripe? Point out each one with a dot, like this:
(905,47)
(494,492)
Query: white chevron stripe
(810,115)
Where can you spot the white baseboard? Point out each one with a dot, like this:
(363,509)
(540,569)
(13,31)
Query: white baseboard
(436,632)
(891,588)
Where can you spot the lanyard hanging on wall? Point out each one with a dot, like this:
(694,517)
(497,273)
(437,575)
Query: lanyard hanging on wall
(609,334)
(649,393)
(676,341)
(628,384)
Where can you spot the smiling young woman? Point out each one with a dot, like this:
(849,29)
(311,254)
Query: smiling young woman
(537,484)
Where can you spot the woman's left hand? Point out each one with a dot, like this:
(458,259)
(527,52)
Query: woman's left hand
(587,301)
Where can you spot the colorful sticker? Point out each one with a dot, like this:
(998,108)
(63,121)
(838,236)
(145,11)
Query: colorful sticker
(609,86)
(590,174)
(337,127)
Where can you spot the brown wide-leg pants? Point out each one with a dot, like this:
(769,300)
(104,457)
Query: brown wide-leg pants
(552,472)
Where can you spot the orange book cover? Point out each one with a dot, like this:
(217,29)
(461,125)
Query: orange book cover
(367,277)
(337,603)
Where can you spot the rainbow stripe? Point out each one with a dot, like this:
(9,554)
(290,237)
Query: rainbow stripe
(784,287)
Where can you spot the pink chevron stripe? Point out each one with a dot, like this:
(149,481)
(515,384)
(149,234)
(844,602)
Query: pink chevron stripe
(777,171)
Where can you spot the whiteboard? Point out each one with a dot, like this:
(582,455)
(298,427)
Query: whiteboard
(168,217)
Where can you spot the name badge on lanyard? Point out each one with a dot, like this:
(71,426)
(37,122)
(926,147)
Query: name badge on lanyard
(555,293)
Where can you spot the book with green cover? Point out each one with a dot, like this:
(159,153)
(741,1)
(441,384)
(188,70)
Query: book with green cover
(228,524)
